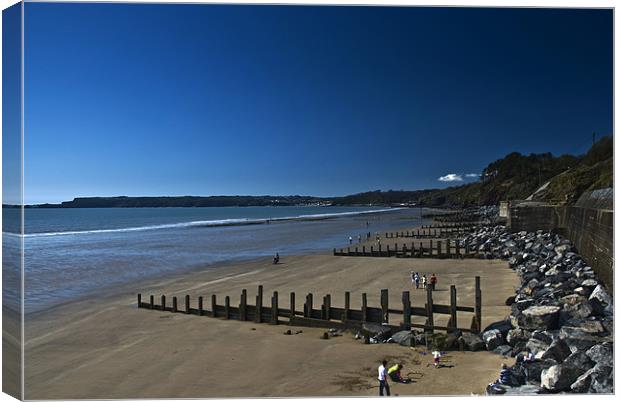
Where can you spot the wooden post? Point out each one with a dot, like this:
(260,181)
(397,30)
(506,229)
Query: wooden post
(347,306)
(478,307)
(259,305)
(151,302)
(334,250)
(388,250)
(364,308)
(384,306)
(406,311)
(458,247)
(243,306)
(174,304)
(163,302)
(379,250)
(323,309)
(430,251)
(186,304)
(448,247)
(453,322)
(364,250)
(421,250)
(357,253)
(429,309)
(308,310)
(200,309)
(274,308)
(227,307)
(328,306)
(139,300)
(372,252)
(292,312)
(213,306)
(439,250)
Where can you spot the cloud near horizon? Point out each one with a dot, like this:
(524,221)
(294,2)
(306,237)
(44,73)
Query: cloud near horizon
(451,177)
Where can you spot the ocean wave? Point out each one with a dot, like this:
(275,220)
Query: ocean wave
(210,223)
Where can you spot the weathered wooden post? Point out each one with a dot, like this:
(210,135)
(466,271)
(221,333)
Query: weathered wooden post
(187,304)
(243,306)
(457,246)
(406,311)
(357,253)
(259,305)
(421,250)
(384,306)
(163,302)
(430,323)
(274,309)
(453,323)
(334,250)
(448,251)
(308,312)
(292,312)
(213,306)
(200,309)
(139,300)
(151,302)
(364,251)
(328,307)
(347,306)
(227,307)
(364,308)
(380,254)
(174,304)
(388,250)
(430,251)
(478,307)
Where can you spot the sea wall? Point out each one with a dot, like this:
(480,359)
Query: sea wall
(588,225)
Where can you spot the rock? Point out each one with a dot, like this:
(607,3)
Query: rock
(602,296)
(380,332)
(509,301)
(572,300)
(533,370)
(504,350)
(496,389)
(579,359)
(439,341)
(602,354)
(598,379)
(517,335)
(558,350)
(545,336)
(492,338)
(583,291)
(589,283)
(523,390)
(602,380)
(539,317)
(503,326)
(590,327)
(536,346)
(581,343)
(560,377)
(472,342)
(403,338)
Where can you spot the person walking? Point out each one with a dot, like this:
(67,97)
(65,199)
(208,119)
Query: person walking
(383,384)
(433,281)
(424,281)
(416,279)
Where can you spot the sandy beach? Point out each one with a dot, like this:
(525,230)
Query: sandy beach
(108,348)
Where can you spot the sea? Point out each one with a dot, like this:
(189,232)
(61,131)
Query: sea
(70,254)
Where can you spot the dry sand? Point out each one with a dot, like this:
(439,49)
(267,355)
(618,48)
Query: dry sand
(107,348)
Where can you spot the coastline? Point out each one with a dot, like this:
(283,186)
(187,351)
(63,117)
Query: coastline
(108,338)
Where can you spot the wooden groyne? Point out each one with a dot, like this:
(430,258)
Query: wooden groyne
(436,249)
(431,233)
(327,316)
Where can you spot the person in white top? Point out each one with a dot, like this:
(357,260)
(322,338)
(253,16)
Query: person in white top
(383,380)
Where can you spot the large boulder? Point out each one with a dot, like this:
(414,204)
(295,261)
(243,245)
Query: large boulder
(560,377)
(579,359)
(602,354)
(503,326)
(517,335)
(602,296)
(539,317)
(533,370)
(598,379)
(523,390)
(536,346)
(379,332)
(439,341)
(492,338)
(403,338)
(472,342)
(558,350)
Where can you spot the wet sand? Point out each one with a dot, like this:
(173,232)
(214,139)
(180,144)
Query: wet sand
(108,348)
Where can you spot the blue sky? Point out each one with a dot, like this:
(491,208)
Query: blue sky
(141,99)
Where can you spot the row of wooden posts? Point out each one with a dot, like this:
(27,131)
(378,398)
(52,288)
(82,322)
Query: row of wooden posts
(452,249)
(328,316)
(447,225)
(430,233)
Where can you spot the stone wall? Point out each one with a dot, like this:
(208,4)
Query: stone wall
(588,225)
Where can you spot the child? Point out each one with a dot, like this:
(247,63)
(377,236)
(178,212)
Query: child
(436,356)
(424,281)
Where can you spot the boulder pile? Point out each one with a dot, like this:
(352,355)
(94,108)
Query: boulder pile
(560,329)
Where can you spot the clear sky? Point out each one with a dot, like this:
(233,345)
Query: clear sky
(209,100)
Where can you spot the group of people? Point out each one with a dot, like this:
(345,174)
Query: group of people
(393,372)
(416,279)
